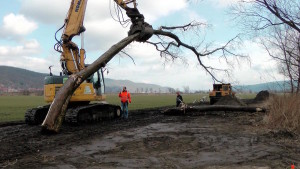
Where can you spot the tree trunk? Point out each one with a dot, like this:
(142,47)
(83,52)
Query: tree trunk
(298,73)
(60,103)
(204,109)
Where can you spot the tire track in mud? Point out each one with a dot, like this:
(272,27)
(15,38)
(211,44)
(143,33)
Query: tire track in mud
(12,123)
(167,141)
(19,140)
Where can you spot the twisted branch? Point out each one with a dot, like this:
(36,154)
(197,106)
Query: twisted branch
(164,48)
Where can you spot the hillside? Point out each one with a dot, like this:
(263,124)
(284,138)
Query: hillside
(14,79)
(271,86)
(116,85)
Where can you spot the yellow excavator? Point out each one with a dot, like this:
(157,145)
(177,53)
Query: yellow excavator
(72,61)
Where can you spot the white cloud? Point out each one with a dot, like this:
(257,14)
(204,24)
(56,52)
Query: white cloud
(24,56)
(27,48)
(194,16)
(36,64)
(53,11)
(262,69)
(153,11)
(150,68)
(102,32)
(226,3)
(43,11)
(100,35)
(17,25)
(27,56)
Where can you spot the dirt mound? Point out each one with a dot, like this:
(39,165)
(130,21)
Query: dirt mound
(262,96)
(280,134)
(230,100)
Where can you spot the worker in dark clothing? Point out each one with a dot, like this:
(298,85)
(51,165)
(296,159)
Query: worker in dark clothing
(178,99)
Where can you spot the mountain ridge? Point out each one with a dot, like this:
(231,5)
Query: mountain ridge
(271,86)
(13,79)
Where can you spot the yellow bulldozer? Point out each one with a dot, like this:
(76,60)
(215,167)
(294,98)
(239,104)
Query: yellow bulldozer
(219,91)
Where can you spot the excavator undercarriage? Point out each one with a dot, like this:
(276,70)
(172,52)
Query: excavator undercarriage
(76,113)
(80,110)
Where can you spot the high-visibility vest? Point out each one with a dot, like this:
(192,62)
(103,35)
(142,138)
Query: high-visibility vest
(125,96)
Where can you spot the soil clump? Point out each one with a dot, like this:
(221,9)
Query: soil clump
(262,96)
(230,100)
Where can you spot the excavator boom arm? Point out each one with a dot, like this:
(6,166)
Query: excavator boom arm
(123,3)
(74,21)
(72,58)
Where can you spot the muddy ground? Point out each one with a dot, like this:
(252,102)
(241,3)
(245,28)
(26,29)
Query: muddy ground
(151,140)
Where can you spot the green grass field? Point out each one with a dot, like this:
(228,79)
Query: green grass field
(13,108)
(150,101)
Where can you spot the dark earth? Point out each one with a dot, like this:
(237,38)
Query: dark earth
(150,139)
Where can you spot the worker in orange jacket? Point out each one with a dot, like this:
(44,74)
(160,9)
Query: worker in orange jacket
(124,95)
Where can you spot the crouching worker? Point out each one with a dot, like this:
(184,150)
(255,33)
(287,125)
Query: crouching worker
(179,99)
(125,99)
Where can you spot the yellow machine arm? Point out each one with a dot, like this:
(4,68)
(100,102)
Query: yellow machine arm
(123,3)
(72,59)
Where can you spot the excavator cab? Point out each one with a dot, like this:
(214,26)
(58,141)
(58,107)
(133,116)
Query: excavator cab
(98,82)
(92,89)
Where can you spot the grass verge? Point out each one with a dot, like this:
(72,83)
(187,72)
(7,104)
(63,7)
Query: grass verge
(285,112)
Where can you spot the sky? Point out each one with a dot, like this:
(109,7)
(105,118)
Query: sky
(27,29)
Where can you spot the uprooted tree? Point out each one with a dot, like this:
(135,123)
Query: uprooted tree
(167,42)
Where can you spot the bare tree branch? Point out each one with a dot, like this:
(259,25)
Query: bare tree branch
(184,27)
(164,49)
(128,56)
(276,25)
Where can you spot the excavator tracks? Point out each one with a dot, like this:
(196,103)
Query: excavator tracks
(76,114)
(92,113)
(37,115)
